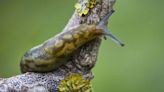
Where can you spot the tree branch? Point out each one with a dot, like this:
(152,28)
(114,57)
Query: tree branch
(82,61)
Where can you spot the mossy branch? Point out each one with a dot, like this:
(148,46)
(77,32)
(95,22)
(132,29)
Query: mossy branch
(81,62)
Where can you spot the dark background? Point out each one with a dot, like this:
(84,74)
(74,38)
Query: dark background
(137,67)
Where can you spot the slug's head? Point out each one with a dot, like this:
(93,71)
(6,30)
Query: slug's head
(102,26)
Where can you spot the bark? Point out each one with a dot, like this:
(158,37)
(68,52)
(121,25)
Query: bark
(81,62)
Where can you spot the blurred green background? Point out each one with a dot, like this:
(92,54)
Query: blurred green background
(137,67)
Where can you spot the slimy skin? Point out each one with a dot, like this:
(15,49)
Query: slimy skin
(67,42)
(56,51)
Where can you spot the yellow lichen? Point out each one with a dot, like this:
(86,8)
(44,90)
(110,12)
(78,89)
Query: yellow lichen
(84,7)
(74,83)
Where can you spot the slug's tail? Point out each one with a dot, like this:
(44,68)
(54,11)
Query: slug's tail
(102,25)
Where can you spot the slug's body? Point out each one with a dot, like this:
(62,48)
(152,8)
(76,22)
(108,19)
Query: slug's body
(57,50)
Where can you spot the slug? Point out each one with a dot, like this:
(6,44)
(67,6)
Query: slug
(56,51)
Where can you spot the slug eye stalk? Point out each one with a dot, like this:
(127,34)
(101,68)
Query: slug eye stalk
(114,38)
(105,30)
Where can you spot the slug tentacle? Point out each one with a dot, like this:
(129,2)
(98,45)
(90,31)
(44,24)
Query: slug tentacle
(114,38)
(105,19)
(106,31)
